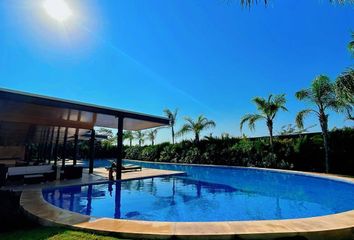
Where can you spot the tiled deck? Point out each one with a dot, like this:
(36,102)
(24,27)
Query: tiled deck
(336,226)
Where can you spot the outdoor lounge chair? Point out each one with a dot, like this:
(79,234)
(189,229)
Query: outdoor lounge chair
(125,167)
(32,173)
(131,168)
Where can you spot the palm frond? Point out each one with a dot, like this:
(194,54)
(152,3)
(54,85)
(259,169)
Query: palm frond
(284,108)
(248,3)
(303,94)
(209,124)
(190,121)
(152,134)
(344,86)
(280,100)
(186,128)
(261,103)
(172,115)
(299,120)
(351,44)
(128,135)
(251,119)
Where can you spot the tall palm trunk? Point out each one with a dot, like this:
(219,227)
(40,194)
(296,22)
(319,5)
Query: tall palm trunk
(270,129)
(196,140)
(130,142)
(324,127)
(173,135)
(152,142)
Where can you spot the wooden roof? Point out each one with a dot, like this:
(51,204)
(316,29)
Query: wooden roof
(25,116)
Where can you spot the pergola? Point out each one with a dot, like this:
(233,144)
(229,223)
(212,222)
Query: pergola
(33,119)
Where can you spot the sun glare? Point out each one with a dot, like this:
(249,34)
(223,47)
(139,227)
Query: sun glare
(57,9)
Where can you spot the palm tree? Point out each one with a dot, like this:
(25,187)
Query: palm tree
(172,116)
(321,93)
(351,44)
(151,135)
(110,140)
(128,135)
(344,87)
(196,127)
(268,109)
(140,136)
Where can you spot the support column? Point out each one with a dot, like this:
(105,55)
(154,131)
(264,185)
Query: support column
(92,150)
(56,150)
(51,146)
(119,148)
(63,157)
(76,139)
(40,146)
(45,152)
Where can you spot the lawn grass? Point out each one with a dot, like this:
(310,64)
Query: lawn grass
(51,233)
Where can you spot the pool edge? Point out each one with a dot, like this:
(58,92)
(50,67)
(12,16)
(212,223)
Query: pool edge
(334,226)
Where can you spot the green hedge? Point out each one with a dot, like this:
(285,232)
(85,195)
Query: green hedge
(298,152)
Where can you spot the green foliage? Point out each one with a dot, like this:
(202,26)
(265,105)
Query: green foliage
(134,152)
(149,153)
(169,153)
(111,139)
(344,87)
(298,151)
(351,44)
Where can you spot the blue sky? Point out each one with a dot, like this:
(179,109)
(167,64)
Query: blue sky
(206,57)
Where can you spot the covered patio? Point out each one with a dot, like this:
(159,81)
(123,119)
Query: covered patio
(46,125)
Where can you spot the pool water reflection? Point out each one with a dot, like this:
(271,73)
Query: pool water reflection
(181,198)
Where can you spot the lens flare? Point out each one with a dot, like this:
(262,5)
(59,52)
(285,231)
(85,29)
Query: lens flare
(57,9)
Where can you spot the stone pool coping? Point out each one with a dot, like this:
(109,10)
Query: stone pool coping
(335,226)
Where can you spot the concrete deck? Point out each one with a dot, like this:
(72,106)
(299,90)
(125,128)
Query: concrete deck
(336,226)
(99,175)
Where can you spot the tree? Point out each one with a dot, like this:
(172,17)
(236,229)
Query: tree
(196,127)
(140,136)
(268,109)
(128,135)
(344,88)
(321,94)
(151,135)
(351,44)
(173,117)
(110,140)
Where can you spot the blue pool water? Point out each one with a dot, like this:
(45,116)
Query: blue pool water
(97,163)
(207,193)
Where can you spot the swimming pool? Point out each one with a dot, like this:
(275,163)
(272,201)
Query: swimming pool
(208,193)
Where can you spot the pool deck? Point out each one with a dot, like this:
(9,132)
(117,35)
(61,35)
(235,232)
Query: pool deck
(99,175)
(336,226)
